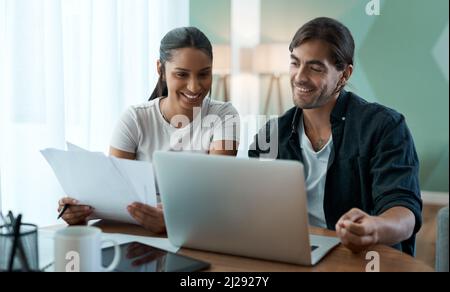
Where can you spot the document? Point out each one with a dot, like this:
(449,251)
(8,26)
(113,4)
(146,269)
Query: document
(107,184)
(73,147)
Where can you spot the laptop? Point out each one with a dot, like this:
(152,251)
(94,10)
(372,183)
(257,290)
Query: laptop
(243,207)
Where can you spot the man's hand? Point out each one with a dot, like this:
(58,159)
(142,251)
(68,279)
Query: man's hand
(357,230)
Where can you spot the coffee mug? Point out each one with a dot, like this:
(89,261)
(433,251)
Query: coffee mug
(79,249)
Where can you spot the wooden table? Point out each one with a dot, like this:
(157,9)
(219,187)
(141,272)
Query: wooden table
(339,259)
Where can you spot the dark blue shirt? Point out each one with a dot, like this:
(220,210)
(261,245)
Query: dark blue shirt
(373,165)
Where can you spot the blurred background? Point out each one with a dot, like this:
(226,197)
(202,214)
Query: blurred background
(69,68)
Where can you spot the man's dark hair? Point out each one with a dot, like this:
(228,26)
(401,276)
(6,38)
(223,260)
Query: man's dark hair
(333,32)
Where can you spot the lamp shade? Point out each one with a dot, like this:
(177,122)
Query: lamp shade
(271,58)
(221,59)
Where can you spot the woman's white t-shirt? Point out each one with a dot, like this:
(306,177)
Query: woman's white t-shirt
(143,130)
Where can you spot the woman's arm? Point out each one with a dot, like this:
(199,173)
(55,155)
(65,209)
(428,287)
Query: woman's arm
(223,147)
(121,154)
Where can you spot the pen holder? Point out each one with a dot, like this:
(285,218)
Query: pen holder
(26,248)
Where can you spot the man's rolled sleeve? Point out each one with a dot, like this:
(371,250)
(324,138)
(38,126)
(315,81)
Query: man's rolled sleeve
(395,170)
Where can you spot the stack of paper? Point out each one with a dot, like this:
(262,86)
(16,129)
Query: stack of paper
(105,183)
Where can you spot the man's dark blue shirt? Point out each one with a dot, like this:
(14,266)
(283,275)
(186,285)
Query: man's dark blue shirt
(373,165)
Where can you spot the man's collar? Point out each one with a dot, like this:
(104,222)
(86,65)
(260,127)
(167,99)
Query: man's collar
(295,121)
(340,108)
(337,114)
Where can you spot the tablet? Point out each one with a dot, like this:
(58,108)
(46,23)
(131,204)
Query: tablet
(138,257)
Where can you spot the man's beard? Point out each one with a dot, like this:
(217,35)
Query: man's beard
(316,102)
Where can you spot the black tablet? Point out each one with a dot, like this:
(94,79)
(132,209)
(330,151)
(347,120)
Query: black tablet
(138,257)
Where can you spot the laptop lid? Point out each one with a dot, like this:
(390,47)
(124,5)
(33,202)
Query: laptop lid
(244,207)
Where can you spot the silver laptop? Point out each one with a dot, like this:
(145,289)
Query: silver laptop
(242,207)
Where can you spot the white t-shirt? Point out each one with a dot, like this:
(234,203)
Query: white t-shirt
(315,165)
(143,130)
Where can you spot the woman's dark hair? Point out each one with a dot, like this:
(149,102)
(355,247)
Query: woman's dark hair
(334,33)
(183,37)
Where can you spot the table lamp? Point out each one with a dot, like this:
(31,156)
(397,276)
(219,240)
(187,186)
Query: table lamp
(273,60)
(222,68)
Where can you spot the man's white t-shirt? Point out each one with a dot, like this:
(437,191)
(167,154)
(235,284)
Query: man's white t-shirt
(315,165)
(143,130)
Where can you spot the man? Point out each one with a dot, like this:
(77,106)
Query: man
(361,166)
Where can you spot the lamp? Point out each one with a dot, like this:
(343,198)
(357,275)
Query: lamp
(272,60)
(222,68)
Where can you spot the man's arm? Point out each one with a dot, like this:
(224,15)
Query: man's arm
(395,225)
(358,230)
(397,205)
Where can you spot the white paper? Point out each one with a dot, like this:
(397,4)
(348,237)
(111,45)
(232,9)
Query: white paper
(139,176)
(105,183)
(73,147)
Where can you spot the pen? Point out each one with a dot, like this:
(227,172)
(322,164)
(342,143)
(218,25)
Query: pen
(3,219)
(14,222)
(66,206)
(16,233)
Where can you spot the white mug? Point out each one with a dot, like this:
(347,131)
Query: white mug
(79,249)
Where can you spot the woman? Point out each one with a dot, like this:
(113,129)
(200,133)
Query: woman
(179,116)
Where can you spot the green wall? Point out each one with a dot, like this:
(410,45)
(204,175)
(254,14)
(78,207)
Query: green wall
(401,60)
(213,18)
(410,79)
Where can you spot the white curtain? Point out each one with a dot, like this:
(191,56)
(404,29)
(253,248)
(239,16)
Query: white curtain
(68,69)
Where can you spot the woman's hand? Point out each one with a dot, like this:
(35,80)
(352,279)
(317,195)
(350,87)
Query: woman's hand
(75,214)
(150,218)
